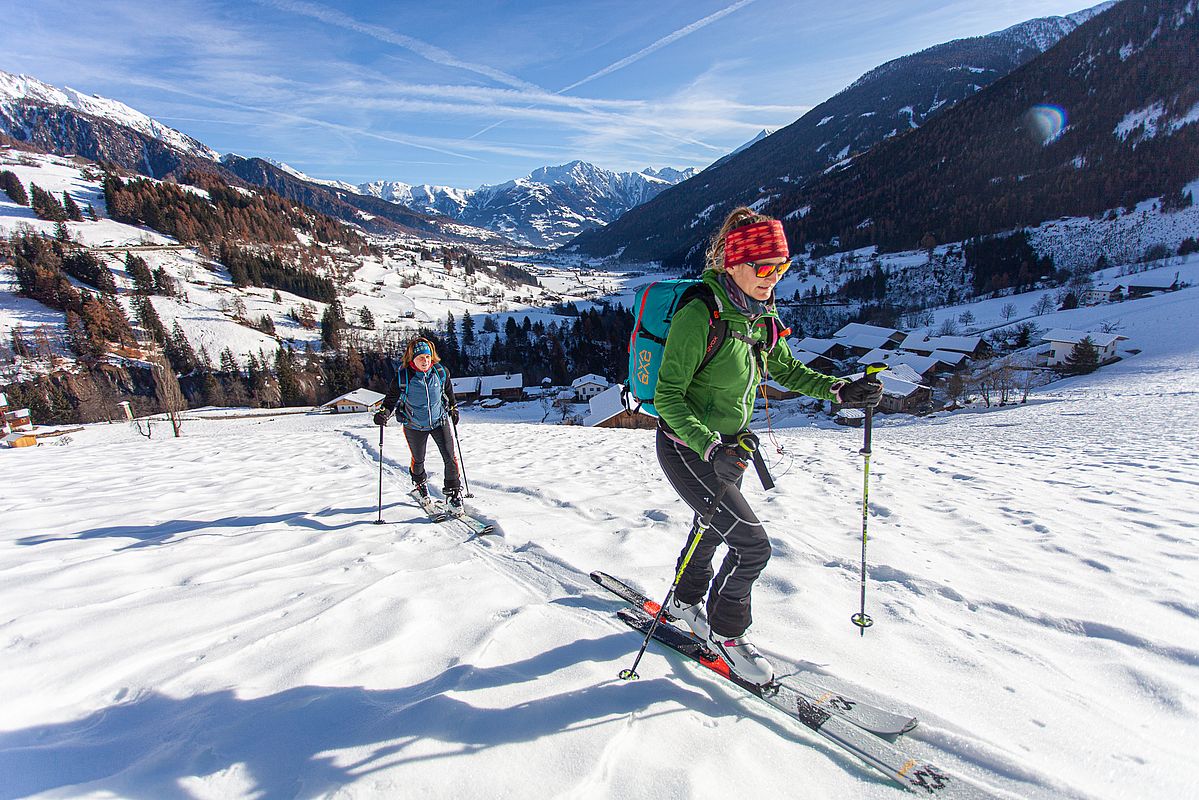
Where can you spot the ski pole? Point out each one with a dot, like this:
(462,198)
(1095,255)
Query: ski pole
(461,463)
(862,619)
(379,521)
(701,525)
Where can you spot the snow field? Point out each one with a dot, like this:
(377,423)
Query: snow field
(221,617)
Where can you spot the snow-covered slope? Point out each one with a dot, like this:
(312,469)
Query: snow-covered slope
(18,88)
(400,290)
(225,624)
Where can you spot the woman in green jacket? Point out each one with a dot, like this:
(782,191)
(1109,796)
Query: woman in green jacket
(704,441)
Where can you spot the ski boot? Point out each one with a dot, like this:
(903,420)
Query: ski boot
(453,498)
(692,614)
(742,657)
(422,491)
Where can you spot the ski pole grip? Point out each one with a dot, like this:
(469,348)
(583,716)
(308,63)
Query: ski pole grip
(868,426)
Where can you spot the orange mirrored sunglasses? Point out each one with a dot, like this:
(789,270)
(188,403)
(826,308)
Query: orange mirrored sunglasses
(766,270)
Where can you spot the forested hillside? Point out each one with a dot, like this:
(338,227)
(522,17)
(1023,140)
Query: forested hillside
(1103,120)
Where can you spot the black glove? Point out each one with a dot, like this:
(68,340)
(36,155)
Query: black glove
(454,414)
(730,460)
(381,416)
(865,392)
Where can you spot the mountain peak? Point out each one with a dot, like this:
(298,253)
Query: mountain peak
(15,89)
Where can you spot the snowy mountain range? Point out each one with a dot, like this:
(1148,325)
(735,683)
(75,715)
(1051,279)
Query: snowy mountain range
(546,208)
(543,209)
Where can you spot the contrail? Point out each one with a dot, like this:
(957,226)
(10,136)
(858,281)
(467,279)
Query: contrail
(658,45)
(422,49)
(640,54)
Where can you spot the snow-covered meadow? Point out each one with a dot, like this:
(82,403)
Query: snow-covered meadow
(219,616)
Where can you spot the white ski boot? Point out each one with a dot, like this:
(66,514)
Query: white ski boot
(693,615)
(742,657)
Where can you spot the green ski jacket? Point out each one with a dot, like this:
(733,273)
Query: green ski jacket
(720,400)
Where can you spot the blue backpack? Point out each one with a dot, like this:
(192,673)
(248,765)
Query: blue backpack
(656,305)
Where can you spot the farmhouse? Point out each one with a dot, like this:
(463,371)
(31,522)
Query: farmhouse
(466,389)
(353,402)
(972,346)
(1140,287)
(509,386)
(588,386)
(855,329)
(1061,344)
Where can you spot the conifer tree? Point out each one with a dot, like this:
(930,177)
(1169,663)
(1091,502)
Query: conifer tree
(139,271)
(1083,358)
(290,392)
(71,207)
(13,187)
(148,318)
(331,325)
(46,205)
(179,351)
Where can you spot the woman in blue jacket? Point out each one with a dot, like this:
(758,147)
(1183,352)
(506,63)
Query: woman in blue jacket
(423,399)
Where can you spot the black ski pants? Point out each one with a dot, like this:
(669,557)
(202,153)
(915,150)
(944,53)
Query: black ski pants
(734,525)
(418,441)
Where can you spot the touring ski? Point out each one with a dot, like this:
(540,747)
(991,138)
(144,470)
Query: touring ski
(440,511)
(476,526)
(434,509)
(912,773)
(869,717)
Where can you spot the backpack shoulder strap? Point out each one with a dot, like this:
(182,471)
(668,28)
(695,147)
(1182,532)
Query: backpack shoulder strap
(718,328)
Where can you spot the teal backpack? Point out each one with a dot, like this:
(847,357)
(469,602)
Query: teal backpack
(655,306)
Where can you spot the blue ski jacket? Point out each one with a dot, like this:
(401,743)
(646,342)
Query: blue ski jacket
(421,400)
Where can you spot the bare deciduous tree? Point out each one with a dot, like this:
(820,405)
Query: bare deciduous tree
(168,393)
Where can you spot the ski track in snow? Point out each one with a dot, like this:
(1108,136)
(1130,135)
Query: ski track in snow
(217,615)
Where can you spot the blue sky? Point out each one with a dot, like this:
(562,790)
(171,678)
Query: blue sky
(467,93)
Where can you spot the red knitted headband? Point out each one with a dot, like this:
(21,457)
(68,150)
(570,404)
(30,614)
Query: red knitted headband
(756,242)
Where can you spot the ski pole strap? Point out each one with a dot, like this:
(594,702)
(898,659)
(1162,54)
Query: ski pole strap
(763,472)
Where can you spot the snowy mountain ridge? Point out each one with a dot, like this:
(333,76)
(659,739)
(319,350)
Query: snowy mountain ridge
(543,209)
(547,207)
(15,88)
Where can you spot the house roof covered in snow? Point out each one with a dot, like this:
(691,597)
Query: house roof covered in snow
(491,383)
(811,344)
(1067,336)
(893,359)
(468,384)
(869,340)
(604,406)
(364,397)
(858,328)
(958,344)
(599,380)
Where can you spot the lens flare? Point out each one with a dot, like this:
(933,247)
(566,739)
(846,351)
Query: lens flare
(1046,122)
